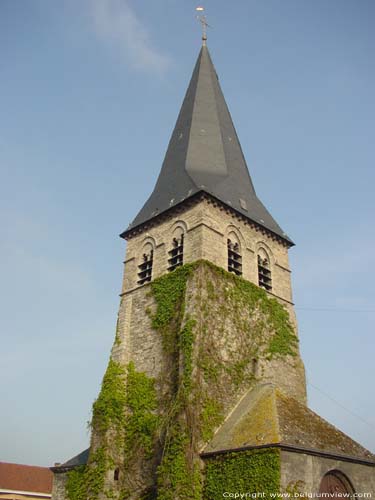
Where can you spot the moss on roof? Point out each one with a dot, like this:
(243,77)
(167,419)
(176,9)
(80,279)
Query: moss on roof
(265,415)
(301,426)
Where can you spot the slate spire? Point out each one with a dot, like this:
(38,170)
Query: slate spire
(205,155)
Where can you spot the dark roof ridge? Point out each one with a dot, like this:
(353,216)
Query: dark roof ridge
(128,233)
(289,447)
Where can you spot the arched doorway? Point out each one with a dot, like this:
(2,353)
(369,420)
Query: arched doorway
(335,482)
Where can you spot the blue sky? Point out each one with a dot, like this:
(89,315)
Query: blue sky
(89,94)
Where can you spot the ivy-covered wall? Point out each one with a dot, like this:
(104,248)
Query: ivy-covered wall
(218,333)
(255,471)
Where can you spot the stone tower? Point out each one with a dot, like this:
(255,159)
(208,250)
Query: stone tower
(205,389)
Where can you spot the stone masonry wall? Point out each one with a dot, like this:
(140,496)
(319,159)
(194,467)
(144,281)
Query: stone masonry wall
(309,470)
(139,343)
(206,228)
(229,335)
(58,488)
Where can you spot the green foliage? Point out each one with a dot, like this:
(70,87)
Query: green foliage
(169,291)
(211,417)
(131,422)
(178,472)
(250,471)
(275,317)
(126,408)
(178,475)
(109,408)
(186,342)
(194,412)
(86,482)
(284,340)
(76,484)
(141,422)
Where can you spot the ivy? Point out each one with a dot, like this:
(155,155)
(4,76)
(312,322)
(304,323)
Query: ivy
(86,482)
(250,471)
(169,291)
(76,484)
(275,317)
(186,342)
(109,408)
(195,410)
(125,422)
(178,475)
(134,423)
(211,418)
(141,423)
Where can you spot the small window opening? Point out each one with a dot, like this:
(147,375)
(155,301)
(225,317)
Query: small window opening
(234,258)
(264,273)
(176,255)
(145,268)
(116,474)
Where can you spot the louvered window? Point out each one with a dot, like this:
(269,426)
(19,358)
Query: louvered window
(176,254)
(234,258)
(145,268)
(264,273)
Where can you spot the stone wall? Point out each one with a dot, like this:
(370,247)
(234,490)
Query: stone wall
(58,488)
(138,341)
(207,227)
(309,471)
(230,353)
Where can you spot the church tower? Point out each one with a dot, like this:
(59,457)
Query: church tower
(204,207)
(205,389)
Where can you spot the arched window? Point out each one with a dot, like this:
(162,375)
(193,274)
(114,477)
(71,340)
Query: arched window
(176,253)
(264,270)
(145,265)
(335,483)
(234,255)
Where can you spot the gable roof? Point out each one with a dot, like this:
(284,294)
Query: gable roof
(205,155)
(31,478)
(266,416)
(80,459)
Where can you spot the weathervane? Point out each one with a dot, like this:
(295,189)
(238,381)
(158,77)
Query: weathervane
(202,19)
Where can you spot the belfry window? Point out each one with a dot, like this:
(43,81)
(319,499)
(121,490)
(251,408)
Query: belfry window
(145,268)
(234,257)
(264,273)
(176,254)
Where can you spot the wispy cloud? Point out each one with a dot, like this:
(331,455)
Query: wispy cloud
(116,22)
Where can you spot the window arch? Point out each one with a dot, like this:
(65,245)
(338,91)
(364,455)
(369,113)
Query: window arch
(234,254)
(335,482)
(176,253)
(145,265)
(264,270)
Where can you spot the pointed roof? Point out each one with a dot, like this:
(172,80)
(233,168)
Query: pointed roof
(266,416)
(205,155)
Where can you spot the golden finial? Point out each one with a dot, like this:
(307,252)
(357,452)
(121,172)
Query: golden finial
(202,19)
